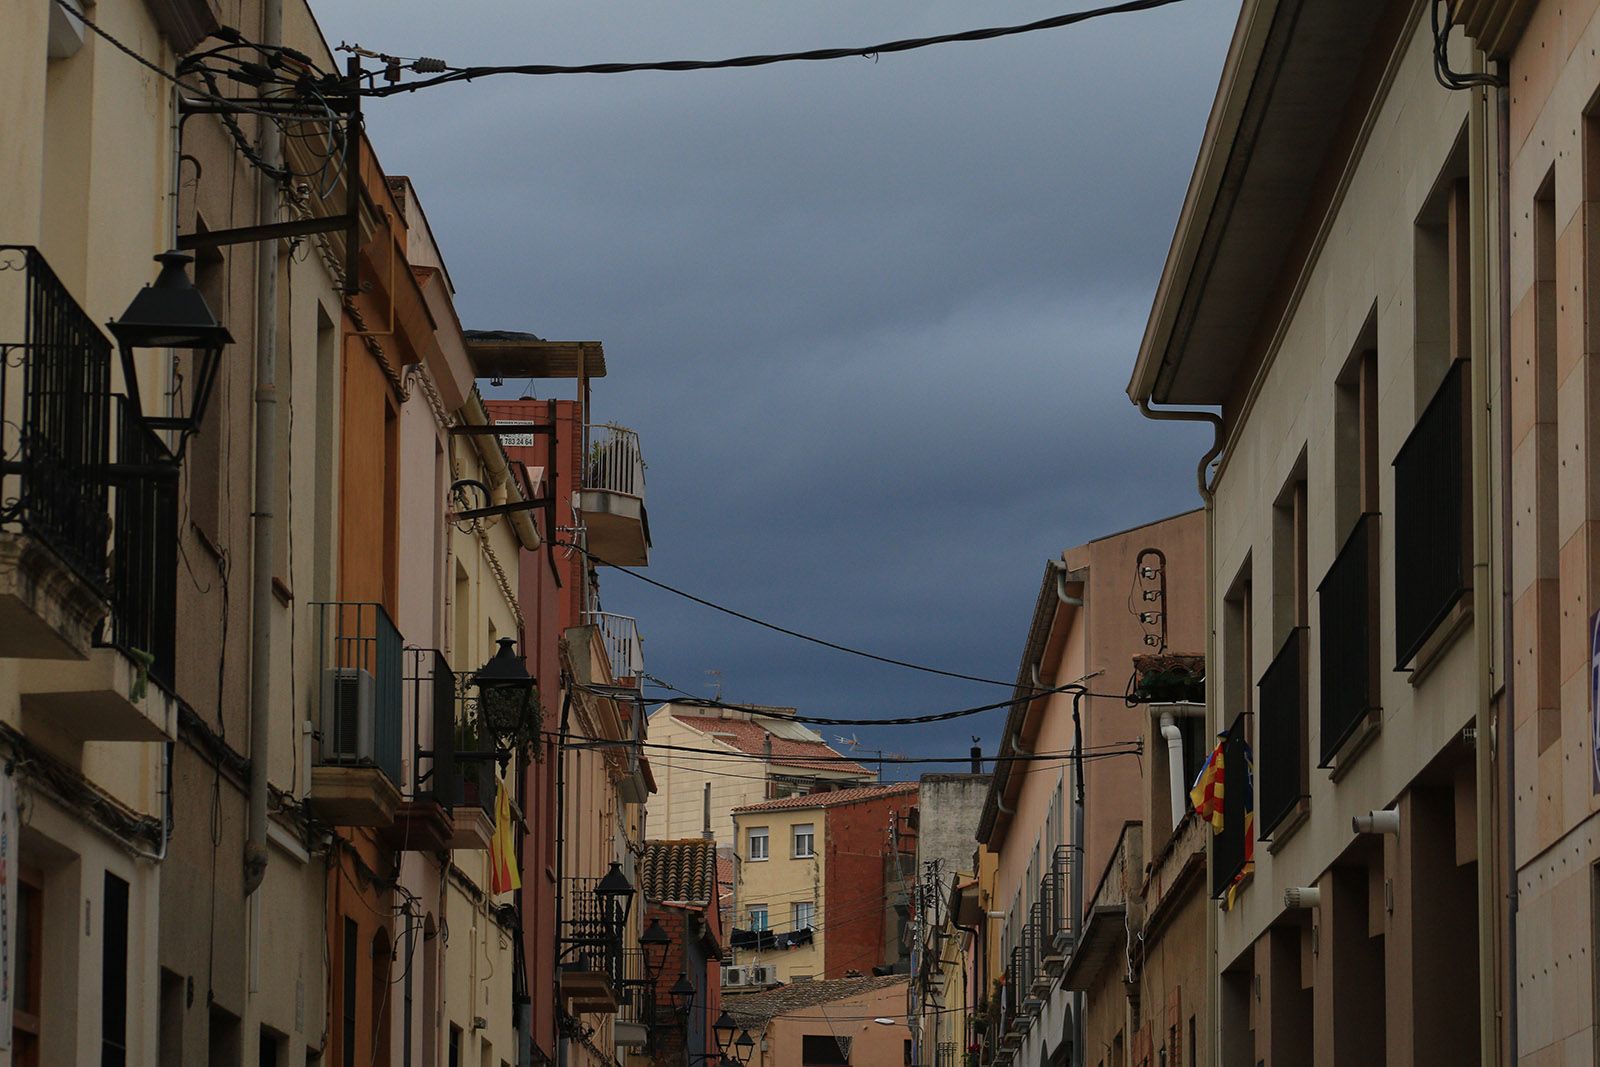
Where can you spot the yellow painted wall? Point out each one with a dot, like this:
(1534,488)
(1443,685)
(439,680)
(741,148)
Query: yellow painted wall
(779,882)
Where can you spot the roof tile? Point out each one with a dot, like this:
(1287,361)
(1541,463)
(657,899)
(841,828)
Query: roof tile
(831,798)
(683,872)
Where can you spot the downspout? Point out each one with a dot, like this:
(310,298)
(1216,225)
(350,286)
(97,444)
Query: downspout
(1213,712)
(1060,567)
(1075,888)
(561,854)
(266,494)
(1507,733)
(1478,130)
(1174,739)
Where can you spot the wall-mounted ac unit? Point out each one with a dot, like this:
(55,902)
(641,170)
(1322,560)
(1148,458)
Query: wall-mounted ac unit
(735,976)
(763,974)
(349,721)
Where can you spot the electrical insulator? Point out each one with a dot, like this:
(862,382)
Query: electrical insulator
(1149,573)
(1150,639)
(1149,618)
(1152,594)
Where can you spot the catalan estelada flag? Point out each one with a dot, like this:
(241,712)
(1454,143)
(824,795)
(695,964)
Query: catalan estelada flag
(1208,795)
(503,876)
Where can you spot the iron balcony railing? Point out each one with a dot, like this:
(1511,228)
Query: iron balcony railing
(1229,842)
(1281,760)
(1348,637)
(637,993)
(945,1054)
(144,552)
(1432,538)
(55,397)
(624,646)
(614,463)
(433,695)
(359,687)
(1057,890)
(591,936)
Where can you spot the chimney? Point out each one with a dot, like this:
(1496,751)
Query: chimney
(977,757)
(705,814)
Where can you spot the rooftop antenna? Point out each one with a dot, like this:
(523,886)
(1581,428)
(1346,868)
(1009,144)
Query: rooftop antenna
(715,674)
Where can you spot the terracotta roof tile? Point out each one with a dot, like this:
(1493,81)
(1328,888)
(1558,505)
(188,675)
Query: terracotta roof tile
(832,798)
(761,1007)
(751,738)
(683,872)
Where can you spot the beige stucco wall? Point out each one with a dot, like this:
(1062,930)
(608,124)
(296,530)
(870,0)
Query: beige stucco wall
(1367,260)
(780,882)
(872,1043)
(677,809)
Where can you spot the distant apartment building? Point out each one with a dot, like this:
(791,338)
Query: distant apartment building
(820,884)
(831,1023)
(744,756)
(1051,832)
(1332,291)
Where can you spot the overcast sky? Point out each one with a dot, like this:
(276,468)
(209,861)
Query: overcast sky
(873,320)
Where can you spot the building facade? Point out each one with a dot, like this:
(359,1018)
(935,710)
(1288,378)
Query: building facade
(818,878)
(1330,290)
(775,757)
(1051,832)
(833,1022)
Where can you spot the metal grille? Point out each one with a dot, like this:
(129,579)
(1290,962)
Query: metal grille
(1282,744)
(624,646)
(1059,881)
(55,392)
(590,931)
(1348,636)
(1431,536)
(144,551)
(615,463)
(1229,842)
(359,687)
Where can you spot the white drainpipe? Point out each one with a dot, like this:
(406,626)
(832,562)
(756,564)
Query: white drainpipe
(1174,736)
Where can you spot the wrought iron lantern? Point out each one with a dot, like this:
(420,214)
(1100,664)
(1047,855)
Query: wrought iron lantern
(507,702)
(744,1047)
(682,994)
(654,942)
(725,1028)
(172,314)
(616,899)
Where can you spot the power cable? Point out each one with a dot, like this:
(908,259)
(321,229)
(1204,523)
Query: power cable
(786,631)
(872,51)
(594,743)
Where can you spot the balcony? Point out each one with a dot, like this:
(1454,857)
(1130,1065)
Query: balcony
(70,459)
(1281,762)
(357,775)
(1348,633)
(1054,894)
(589,973)
(612,497)
(1432,532)
(624,647)
(55,519)
(636,1014)
(1112,910)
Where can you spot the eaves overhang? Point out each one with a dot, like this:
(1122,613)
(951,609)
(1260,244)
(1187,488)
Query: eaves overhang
(1292,71)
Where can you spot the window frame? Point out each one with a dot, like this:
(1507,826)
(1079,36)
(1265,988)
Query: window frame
(810,907)
(752,910)
(811,841)
(754,834)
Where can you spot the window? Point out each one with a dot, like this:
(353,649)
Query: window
(453,1053)
(1237,657)
(805,914)
(1545,590)
(758,917)
(267,1052)
(114,974)
(30,936)
(804,841)
(1282,730)
(758,843)
(824,1050)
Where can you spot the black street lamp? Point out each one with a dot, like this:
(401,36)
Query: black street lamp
(507,697)
(615,893)
(724,1028)
(654,943)
(745,1047)
(682,994)
(172,314)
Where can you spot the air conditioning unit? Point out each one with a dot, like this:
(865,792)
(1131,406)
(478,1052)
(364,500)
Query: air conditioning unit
(764,974)
(735,976)
(349,716)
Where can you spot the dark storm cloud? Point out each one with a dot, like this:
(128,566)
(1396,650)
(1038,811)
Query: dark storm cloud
(873,320)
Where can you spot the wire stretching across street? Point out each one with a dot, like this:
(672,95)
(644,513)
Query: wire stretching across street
(577,743)
(869,51)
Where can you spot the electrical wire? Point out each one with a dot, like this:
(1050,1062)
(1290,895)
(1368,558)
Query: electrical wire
(594,743)
(871,51)
(788,632)
(1442,71)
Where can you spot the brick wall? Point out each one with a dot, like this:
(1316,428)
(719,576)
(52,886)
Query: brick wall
(854,917)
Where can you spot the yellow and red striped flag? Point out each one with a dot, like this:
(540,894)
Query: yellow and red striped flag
(503,876)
